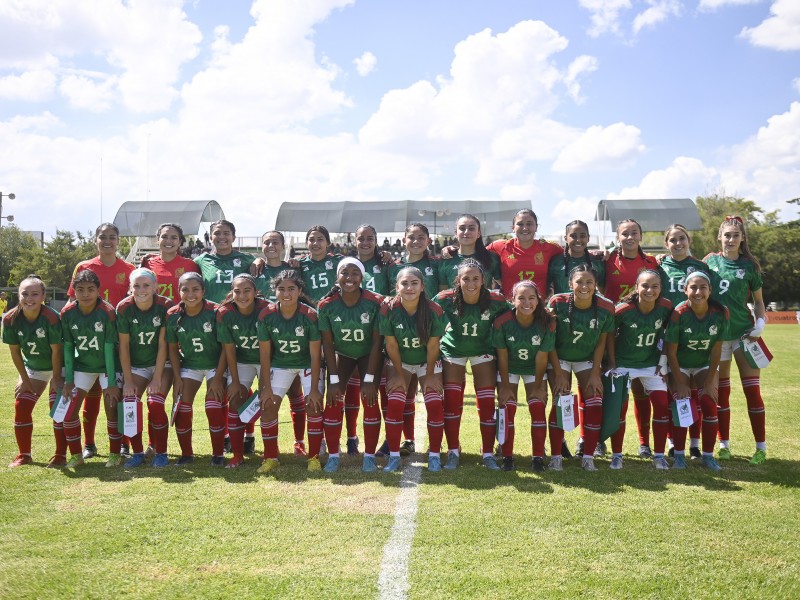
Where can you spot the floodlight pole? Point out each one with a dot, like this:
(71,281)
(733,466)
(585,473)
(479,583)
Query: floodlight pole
(9,218)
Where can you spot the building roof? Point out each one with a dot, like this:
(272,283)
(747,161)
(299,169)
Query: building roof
(651,214)
(143,218)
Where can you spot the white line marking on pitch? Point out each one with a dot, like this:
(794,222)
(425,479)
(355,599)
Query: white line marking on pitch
(393,578)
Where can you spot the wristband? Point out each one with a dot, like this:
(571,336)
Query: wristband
(368,378)
(334,379)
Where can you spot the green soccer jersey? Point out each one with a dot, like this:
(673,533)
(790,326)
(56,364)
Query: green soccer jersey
(319,275)
(352,327)
(264,280)
(696,337)
(522,343)
(578,333)
(733,282)
(471,333)
(558,272)
(639,336)
(376,276)
(219,271)
(34,338)
(395,322)
(196,336)
(86,337)
(241,330)
(673,276)
(143,327)
(448,269)
(430,272)
(290,338)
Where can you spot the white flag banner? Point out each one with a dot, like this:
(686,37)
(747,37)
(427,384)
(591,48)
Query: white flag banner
(250,410)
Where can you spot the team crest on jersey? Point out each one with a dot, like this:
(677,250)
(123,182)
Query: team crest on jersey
(428,272)
(156,321)
(539,258)
(365,317)
(179,271)
(593,324)
(739,273)
(120,278)
(712,330)
(328,264)
(98,327)
(299,331)
(616,272)
(376,269)
(536,340)
(237,262)
(207,327)
(658,323)
(485,315)
(40,332)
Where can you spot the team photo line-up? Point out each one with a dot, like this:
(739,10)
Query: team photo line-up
(257,330)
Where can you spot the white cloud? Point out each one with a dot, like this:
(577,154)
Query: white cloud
(579,66)
(796,84)
(365,63)
(85,92)
(31,86)
(683,178)
(710,5)
(657,12)
(612,147)
(144,41)
(583,208)
(605,15)
(781,30)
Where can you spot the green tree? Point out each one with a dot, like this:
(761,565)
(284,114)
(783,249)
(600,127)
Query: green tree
(713,209)
(13,243)
(55,262)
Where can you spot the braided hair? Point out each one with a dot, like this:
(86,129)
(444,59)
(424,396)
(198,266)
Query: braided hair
(485,298)
(483,256)
(424,315)
(744,248)
(641,233)
(582,268)
(296,278)
(586,258)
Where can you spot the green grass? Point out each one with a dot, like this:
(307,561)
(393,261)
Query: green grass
(204,533)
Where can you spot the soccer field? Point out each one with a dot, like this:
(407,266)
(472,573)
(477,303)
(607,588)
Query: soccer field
(198,532)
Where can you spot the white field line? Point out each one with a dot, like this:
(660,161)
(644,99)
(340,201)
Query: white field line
(393,578)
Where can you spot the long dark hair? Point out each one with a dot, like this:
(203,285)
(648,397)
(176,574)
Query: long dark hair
(411,226)
(190,276)
(641,233)
(376,253)
(586,258)
(582,268)
(541,318)
(482,255)
(424,315)
(174,226)
(224,223)
(321,229)
(103,226)
(295,277)
(485,299)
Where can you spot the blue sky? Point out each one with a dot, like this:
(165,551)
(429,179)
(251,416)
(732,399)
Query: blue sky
(556,102)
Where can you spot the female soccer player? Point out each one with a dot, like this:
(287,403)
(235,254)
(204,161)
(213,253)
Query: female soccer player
(523,338)
(237,320)
(220,266)
(736,277)
(470,245)
(523,256)
(470,309)
(168,264)
(576,251)
(622,268)
(640,321)
(319,267)
(114,275)
(33,334)
(196,355)
(348,321)
(694,343)
(90,347)
(141,318)
(289,347)
(412,326)
(583,321)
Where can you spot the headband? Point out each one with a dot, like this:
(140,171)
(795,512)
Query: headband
(142,272)
(694,274)
(350,261)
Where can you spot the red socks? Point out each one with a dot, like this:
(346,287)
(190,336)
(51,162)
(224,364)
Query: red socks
(297,407)
(486,415)
(755,407)
(352,404)
(618,437)
(661,420)
(216,413)
(642,413)
(91,409)
(453,407)
(332,423)
(23,421)
(434,407)
(183,428)
(394,419)
(159,424)
(511,413)
(592,419)
(724,408)
(269,435)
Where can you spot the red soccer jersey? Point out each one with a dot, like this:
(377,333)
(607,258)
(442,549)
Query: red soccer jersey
(517,263)
(168,273)
(621,274)
(114,280)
